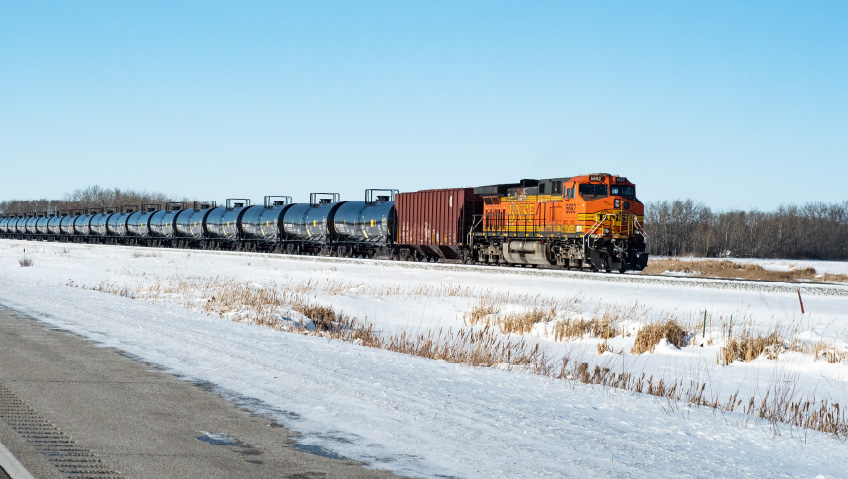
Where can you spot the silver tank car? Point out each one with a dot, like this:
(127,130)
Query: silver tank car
(41,225)
(311,221)
(369,221)
(20,226)
(81,225)
(138,223)
(3,222)
(99,222)
(30,225)
(222,222)
(53,225)
(262,222)
(163,222)
(190,221)
(116,225)
(66,225)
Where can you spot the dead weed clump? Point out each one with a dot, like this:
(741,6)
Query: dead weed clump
(485,313)
(25,262)
(651,334)
(749,347)
(733,270)
(580,328)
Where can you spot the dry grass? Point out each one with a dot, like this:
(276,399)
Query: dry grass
(651,334)
(749,347)
(25,262)
(733,270)
(516,322)
(829,353)
(485,346)
(581,328)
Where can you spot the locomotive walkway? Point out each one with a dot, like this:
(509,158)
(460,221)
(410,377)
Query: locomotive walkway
(70,409)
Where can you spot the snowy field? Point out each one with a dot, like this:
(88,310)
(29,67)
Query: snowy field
(428,418)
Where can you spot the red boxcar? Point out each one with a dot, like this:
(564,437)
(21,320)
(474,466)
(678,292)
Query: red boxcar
(436,223)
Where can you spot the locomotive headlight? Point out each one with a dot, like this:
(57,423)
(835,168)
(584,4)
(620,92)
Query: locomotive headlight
(617,203)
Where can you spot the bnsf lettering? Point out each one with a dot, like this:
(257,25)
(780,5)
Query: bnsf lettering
(522,209)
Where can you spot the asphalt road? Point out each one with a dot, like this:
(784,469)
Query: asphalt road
(71,409)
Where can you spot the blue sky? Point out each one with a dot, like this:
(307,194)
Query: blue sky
(733,104)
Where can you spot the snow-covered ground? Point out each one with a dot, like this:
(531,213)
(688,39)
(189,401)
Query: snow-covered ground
(429,418)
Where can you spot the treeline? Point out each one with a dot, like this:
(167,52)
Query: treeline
(85,198)
(809,231)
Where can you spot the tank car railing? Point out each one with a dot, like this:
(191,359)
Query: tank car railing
(369,194)
(271,201)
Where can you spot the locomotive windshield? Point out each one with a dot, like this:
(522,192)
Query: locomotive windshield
(588,189)
(621,190)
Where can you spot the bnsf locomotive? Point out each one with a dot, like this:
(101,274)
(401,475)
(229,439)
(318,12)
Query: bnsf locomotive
(583,222)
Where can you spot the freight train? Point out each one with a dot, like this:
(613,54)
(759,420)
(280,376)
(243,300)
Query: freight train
(591,222)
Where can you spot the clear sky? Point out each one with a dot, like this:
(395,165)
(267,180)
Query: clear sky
(733,104)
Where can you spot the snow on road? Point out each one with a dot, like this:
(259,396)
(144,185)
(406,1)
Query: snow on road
(428,418)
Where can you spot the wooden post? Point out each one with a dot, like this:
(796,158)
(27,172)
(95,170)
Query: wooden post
(800,302)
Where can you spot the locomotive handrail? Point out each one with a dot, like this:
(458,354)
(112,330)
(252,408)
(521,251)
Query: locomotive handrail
(641,230)
(592,230)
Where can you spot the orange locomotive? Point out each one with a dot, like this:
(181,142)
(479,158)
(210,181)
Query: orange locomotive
(591,221)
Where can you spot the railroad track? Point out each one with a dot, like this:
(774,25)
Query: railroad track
(814,289)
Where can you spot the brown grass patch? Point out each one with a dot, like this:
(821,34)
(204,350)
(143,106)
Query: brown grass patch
(651,334)
(580,328)
(733,270)
(749,347)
